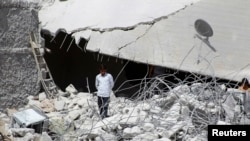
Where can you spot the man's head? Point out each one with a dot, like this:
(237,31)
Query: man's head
(103,69)
(245,83)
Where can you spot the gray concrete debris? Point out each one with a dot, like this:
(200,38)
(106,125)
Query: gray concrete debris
(178,114)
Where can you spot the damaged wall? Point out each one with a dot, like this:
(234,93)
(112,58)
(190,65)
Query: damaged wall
(18,71)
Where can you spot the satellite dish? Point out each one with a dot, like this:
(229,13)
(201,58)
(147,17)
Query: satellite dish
(203,28)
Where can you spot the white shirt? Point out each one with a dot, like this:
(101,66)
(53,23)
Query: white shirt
(104,84)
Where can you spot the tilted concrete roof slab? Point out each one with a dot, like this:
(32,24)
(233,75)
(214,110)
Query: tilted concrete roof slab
(172,42)
(160,32)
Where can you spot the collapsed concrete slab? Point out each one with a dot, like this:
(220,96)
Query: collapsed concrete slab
(175,41)
(177,37)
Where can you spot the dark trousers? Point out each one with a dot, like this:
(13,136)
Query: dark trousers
(103,103)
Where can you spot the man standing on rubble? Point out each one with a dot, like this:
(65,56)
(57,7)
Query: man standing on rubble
(243,105)
(104,83)
(244,86)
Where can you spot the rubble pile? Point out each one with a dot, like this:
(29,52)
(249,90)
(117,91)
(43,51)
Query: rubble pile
(181,114)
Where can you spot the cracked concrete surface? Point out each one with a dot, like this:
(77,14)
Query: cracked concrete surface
(108,15)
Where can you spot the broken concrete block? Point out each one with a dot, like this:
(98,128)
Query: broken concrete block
(27,137)
(72,103)
(78,123)
(63,94)
(45,137)
(106,137)
(73,115)
(148,127)
(88,124)
(4,130)
(96,132)
(60,125)
(147,136)
(59,105)
(10,112)
(184,99)
(42,96)
(222,123)
(185,111)
(84,95)
(174,129)
(83,102)
(182,89)
(168,121)
(131,132)
(223,87)
(136,130)
(155,110)
(30,97)
(2,127)
(127,133)
(111,122)
(210,105)
(57,125)
(35,103)
(30,118)
(71,89)
(47,106)
(21,132)
(131,116)
(144,106)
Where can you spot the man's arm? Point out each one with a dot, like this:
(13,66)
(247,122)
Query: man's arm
(96,82)
(111,81)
